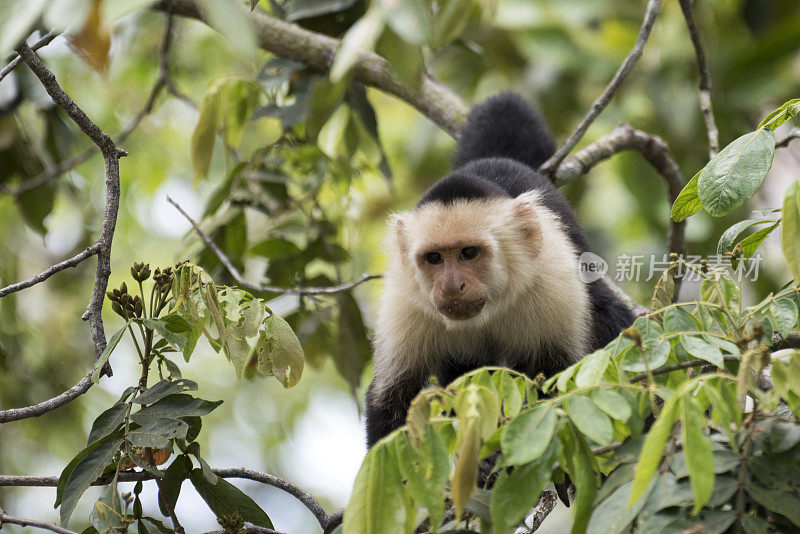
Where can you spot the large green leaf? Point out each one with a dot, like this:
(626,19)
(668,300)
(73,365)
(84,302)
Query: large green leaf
(376,504)
(173,407)
(589,419)
(425,471)
(157,433)
(697,452)
(163,388)
(225,499)
(528,435)
(782,502)
(653,448)
(83,470)
(736,173)
(515,492)
(688,202)
(699,348)
(790,233)
(107,422)
(280,353)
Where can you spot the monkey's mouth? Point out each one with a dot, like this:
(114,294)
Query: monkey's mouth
(459,310)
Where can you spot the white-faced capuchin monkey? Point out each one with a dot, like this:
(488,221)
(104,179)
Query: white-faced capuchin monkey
(484,271)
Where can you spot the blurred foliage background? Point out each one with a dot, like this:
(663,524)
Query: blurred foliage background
(304,212)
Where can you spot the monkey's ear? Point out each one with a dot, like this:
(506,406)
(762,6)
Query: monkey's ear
(397,239)
(529,225)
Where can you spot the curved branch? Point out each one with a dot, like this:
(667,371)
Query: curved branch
(15,414)
(704,81)
(653,149)
(41,277)
(551,165)
(135,476)
(11,520)
(234,272)
(317,51)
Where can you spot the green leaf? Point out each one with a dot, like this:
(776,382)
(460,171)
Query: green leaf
(163,388)
(701,349)
(612,403)
(361,36)
(653,448)
(510,393)
(376,504)
(170,487)
(790,232)
(106,514)
(787,111)
(479,403)
(324,98)
(589,419)
(663,294)
(157,433)
(204,134)
(751,243)
(425,471)
(736,173)
(280,354)
(225,499)
(466,468)
(107,422)
(728,237)
(528,435)
(615,513)
(688,202)
(451,20)
(83,470)
(777,501)
(233,22)
(352,350)
(405,59)
(582,471)
(783,315)
(515,492)
(410,19)
(677,319)
(173,407)
(592,368)
(112,344)
(697,452)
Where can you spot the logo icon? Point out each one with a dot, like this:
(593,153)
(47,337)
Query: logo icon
(591,267)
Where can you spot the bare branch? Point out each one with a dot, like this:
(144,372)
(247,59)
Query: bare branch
(44,41)
(6,519)
(704,82)
(15,414)
(41,277)
(676,367)
(135,476)
(547,501)
(551,165)
(317,51)
(234,272)
(249,528)
(793,134)
(654,150)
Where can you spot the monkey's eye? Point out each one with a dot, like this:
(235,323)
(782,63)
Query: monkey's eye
(433,258)
(469,253)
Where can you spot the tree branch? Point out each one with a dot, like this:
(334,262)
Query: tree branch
(551,165)
(317,51)
(547,501)
(44,41)
(41,277)
(704,81)
(234,272)
(135,476)
(15,414)
(676,367)
(11,520)
(652,148)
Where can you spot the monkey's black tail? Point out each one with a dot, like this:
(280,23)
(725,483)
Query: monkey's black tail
(505,126)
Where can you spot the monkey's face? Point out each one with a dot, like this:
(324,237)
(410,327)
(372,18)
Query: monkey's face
(455,272)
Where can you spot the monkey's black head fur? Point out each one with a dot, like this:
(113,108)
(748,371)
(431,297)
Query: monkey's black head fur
(462,186)
(507,126)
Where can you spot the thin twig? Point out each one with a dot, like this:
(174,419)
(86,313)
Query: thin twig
(134,476)
(678,366)
(11,520)
(234,272)
(41,277)
(44,41)
(551,165)
(15,414)
(652,148)
(704,81)
(249,528)
(793,134)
